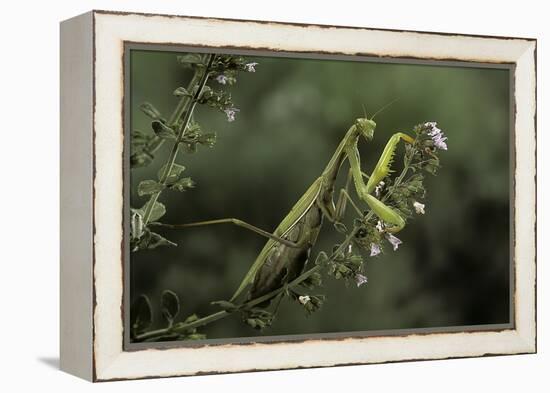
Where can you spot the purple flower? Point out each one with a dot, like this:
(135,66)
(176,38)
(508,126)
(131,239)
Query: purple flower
(439,142)
(374,249)
(395,242)
(231,112)
(250,67)
(221,79)
(437,135)
(360,279)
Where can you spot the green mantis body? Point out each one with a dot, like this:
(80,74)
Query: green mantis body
(287,251)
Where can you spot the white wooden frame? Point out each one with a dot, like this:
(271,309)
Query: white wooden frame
(92,142)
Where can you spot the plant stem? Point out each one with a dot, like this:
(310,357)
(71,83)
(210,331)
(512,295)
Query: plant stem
(156,142)
(184,109)
(182,327)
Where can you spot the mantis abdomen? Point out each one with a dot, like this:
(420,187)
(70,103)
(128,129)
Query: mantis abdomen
(283,263)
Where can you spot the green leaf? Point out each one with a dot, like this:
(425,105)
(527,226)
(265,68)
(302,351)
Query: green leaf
(158,211)
(148,187)
(150,111)
(431,166)
(162,130)
(191,318)
(174,174)
(315,280)
(195,336)
(170,305)
(140,138)
(149,240)
(183,184)
(157,240)
(141,315)
(322,258)
(181,92)
(190,58)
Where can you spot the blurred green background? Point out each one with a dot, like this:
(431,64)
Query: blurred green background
(453,266)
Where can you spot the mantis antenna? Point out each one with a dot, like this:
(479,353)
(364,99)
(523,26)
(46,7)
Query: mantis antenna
(384,107)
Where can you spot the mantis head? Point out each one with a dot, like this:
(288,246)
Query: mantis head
(365,127)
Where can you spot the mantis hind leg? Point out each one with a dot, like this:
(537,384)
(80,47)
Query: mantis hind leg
(237,222)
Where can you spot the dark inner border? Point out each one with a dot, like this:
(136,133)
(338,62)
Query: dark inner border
(170,47)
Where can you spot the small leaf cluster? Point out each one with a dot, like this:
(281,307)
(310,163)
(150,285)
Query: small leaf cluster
(257,318)
(228,67)
(313,281)
(141,237)
(191,60)
(423,154)
(143,144)
(141,319)
(141,155)
(167,179)
(404,195)
(195,136)
(367,234)
(314,303)
(310,303)
(345,264)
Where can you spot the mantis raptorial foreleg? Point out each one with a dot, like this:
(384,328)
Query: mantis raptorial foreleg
(382,169)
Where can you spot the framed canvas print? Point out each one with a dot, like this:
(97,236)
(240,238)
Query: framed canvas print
(246,195)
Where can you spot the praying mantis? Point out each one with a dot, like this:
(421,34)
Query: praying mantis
(286,253)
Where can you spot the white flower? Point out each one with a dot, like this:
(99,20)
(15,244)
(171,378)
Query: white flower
(250,67)
(221,79)
(231,112)
(419,207)
(360,279)
(437,135)
(378,188)
(395,242)
(380,226)
(304,299)
(374,249)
